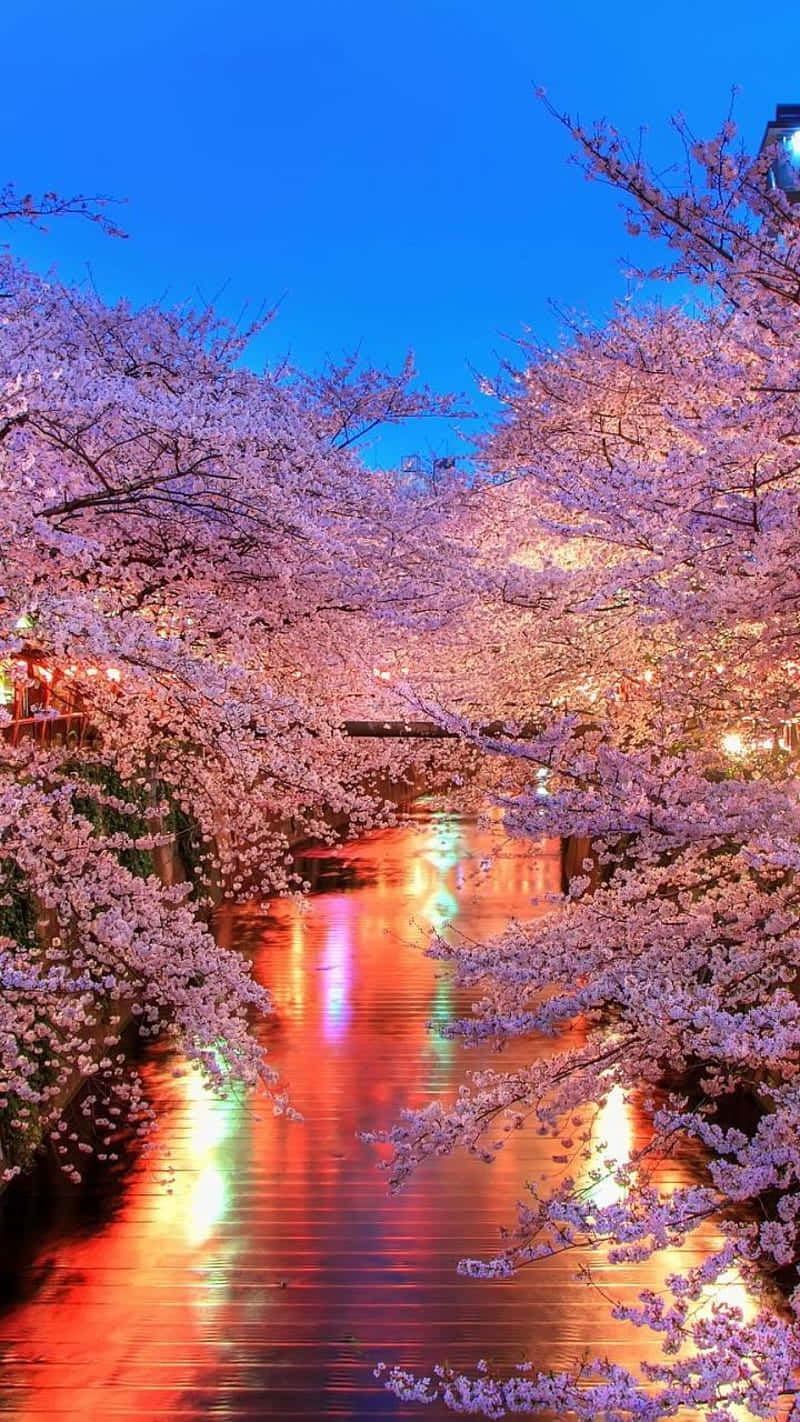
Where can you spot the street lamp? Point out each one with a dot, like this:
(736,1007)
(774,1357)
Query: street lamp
(783,134)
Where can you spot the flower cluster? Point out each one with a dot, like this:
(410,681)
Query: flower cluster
(195,557)
(637,634)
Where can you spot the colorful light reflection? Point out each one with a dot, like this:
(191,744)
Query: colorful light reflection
(337,967)
(211,1121)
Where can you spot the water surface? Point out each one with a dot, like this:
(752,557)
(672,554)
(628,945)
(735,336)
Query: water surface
(276,1271)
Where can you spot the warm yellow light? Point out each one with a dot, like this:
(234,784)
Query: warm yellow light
(733,744)
(612,1142)
(113,674)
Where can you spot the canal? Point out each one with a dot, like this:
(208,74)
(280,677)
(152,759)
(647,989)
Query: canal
(260,1268)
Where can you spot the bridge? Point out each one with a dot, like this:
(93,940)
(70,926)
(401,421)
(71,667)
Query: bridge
(430,731)
(398,730)
(71,729)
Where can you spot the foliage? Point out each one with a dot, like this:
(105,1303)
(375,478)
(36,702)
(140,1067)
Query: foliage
(609,616)
(640,552)
(211,575)
(107,815)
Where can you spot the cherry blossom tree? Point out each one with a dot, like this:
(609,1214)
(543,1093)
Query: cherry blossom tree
(194,554)
(37,210)
(639,559)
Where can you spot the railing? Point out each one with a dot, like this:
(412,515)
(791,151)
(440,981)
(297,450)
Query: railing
(69,729)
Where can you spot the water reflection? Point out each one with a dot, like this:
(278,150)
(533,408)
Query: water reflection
(338,948)
(611,1146)
(204,1189)
(273,1271)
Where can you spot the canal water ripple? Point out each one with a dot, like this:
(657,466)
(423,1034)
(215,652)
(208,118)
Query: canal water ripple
(275,1271)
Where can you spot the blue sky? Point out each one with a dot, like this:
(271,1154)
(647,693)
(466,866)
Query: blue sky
(379,167)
